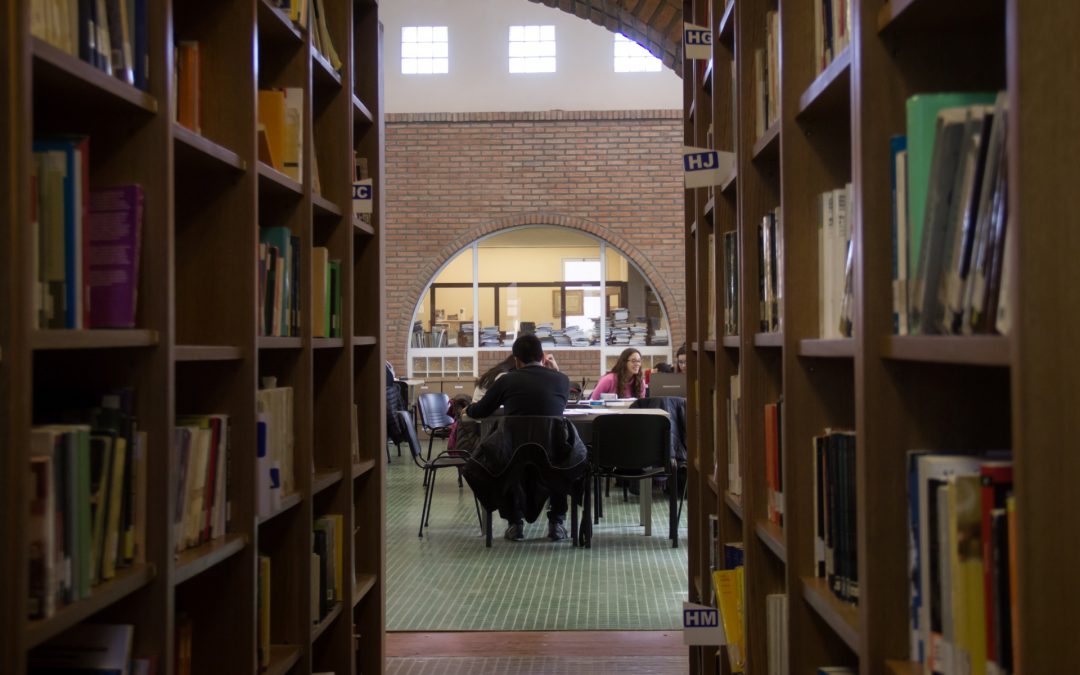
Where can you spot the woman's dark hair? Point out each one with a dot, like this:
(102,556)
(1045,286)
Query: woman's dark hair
(488,378)
(664,368)
(623,376)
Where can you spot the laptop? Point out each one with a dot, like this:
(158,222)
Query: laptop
(667,384)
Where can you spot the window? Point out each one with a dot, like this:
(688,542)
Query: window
(532,49)
(630,57)
(425,50)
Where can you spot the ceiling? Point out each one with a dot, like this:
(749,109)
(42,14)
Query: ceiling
(655,24)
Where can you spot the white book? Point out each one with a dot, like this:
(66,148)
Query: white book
(294,134)
(934,470)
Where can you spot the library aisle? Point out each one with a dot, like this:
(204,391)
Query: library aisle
(448,581)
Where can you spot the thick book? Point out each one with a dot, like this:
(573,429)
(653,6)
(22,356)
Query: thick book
(114,232)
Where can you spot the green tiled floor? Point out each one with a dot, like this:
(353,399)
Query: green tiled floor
(539,665)
(448,581)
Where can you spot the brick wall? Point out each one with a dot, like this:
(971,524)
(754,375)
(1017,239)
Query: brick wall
(452,178)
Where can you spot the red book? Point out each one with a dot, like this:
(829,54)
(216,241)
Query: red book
(996,479)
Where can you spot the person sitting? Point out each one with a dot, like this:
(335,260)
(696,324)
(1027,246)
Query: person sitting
(680,359)
(534,387)
(484,382)
(625,379)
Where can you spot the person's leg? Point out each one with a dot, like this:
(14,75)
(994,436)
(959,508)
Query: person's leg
(512,510)
(557,516)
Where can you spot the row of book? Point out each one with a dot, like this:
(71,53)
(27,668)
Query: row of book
(279,282)
(835,549)
(731,283)
(774,461)
(87,496)
(327,565)
(710,285)
(202,468)
(320,36)
(835,256)
(767,77)
(950,216)
(832,30)
(86,240)
(962,553)
(734,465)
(275,443)
(110,35)
(771,272)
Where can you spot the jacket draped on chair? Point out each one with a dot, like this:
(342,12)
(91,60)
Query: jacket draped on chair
(676,407)
(537,452)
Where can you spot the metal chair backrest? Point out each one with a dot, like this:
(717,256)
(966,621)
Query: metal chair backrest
(433,407)
(414,442)
(631,441)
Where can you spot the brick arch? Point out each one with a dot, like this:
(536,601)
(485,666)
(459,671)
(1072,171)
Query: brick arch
(427,273)
(655,24)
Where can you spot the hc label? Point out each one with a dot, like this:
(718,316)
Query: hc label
(700,618)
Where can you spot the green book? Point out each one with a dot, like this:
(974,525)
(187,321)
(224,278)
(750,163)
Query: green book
(922,110)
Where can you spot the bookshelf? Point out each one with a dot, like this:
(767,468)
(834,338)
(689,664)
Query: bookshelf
(196,346)
(966,393)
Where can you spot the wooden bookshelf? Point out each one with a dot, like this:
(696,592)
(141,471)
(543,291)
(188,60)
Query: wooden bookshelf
(896,392)
(195,561)
(195,347)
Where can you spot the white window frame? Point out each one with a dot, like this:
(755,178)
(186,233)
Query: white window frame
(532,49)
(631,57)
(425,50)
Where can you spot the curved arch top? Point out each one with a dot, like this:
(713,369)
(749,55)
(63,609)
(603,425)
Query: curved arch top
(655,24)
(616,240)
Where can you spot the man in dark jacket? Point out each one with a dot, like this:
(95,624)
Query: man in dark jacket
(534,387)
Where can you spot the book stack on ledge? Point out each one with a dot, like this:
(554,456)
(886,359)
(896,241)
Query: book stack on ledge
(110,35)
(88,240)
(87,503)
(202,496)
(276,479)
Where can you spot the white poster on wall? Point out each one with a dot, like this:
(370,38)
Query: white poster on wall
(703,167)
(697,42)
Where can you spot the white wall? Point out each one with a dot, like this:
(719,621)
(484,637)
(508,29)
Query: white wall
(479,79)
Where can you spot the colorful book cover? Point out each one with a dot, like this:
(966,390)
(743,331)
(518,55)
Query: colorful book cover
(115,234)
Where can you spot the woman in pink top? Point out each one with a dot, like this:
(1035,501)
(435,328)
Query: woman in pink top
(625,380)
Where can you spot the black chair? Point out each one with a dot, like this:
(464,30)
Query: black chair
(434,417)
(431,467)
(632,447)
(537,452)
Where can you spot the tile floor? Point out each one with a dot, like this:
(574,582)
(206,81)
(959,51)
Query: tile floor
(448,581)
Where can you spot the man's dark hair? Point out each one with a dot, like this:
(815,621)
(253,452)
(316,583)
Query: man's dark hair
(527,349)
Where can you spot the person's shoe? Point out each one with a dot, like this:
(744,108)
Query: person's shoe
(515,531)
(556,530)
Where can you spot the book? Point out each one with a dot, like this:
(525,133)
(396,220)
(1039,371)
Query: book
(114,233)
(187,79)
(271,115)
(320,299)
(922,111)
(729,596)
(263,615)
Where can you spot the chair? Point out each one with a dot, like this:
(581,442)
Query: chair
(534,451)
(632,446)
(431,467)
(434,418)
